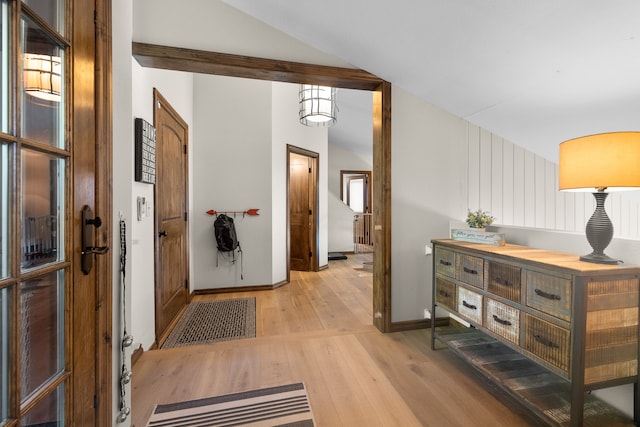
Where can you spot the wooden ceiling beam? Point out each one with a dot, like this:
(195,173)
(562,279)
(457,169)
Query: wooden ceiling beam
(225,64)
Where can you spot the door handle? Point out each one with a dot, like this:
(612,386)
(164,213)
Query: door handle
(163,233)
(88,249)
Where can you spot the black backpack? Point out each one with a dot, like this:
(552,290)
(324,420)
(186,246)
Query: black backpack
(225,231)
(227,239)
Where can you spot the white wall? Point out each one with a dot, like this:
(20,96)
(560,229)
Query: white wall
(177,88)
(343,159)
(231,172)
(214,26)
(340,215)
(428,188)
(288,130)
(242,128)
(340,225)
(122,178)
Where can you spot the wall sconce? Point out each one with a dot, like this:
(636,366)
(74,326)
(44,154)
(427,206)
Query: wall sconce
(604,162)
(317,105)
(42,76)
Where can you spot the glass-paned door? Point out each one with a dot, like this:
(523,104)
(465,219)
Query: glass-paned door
(35,269)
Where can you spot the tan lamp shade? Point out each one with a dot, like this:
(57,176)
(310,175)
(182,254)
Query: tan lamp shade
(43,76)
(608,161)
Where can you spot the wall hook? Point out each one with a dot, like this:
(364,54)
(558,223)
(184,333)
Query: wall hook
(251,212)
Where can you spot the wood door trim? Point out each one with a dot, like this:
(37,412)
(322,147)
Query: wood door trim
(172,58)
(381,204)
(369,184)
(161,336)
(315,260)
(104,205)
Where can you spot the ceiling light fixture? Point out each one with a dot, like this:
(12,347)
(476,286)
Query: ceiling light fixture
(317,105)
(42,76)
(604,162)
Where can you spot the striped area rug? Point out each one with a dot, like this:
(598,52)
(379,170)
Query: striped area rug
(285,405)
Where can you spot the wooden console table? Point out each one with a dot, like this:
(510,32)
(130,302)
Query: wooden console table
(567,325)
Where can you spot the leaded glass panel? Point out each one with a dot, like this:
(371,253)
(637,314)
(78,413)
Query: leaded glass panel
(42,331)
(50,10)
(42,204)
(42,87)
(5,306)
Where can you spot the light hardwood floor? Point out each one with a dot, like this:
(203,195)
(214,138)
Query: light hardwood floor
(318,330)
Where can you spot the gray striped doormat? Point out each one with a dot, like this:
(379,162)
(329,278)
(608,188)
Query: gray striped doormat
(281,406)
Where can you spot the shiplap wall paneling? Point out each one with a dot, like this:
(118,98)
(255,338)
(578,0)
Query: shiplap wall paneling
(529,189)
(561,208)
(507,184)
(485,171)
(633,220)
(625,211)
(539,178)
(550,191)
(574,201)
(497,179)
(518,186)
(473,167)
(614,207)
(581,216)
(569,210)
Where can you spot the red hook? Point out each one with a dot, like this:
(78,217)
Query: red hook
(252,212)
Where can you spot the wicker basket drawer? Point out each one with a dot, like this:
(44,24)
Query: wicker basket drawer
(470,305)
(504,280)
(503,320)
(470,270)
(550,294)
(445,262)
(548,342)
(445,293)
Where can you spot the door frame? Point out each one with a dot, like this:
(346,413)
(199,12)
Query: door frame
(314,261)
(344,173)
(224,64)
(162,335)
(104,205)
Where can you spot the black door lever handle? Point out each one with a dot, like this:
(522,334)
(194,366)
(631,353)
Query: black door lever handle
(88,249)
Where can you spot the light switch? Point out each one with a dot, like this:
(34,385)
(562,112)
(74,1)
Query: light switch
(141,204)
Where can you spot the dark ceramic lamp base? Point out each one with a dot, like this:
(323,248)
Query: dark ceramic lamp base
(599,233)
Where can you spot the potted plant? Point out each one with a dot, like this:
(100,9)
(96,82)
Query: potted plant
(479,219)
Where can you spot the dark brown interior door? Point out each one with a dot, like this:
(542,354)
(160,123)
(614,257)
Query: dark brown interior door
(171,201)
(302,211)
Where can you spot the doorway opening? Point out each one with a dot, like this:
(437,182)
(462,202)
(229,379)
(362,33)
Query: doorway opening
(355,192)
(302,202)
(172,58)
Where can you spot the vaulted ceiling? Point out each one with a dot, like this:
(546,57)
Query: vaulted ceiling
(534,72)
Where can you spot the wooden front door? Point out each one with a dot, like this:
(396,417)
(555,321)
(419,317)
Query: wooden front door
(55,316)
(171,202)
(303,204)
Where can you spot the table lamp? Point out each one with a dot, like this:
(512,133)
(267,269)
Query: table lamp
(600,164)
